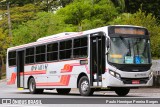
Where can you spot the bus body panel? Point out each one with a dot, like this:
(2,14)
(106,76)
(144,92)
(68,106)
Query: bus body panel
(51,75)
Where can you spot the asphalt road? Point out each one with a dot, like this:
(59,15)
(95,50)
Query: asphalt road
(12,92)
(8,91)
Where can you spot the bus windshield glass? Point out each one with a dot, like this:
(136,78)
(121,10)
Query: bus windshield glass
(125,50)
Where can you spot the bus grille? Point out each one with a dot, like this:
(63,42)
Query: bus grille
(129,80)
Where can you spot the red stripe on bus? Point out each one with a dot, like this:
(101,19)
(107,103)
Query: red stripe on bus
(14,75)
(64,78)
(12,79)
(64,81)
(66,68)
(77,64)
(88,71)
(34,72)
(69,67)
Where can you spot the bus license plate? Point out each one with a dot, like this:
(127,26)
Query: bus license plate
(135,81)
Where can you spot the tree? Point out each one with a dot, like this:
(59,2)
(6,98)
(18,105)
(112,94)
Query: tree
(4,44)
(19,15)
(120,4)
(65,2)
(148,6)
(81,11)
(21,2)
(44,24)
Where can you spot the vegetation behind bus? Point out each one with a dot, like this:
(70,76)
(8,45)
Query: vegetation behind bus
(34,19)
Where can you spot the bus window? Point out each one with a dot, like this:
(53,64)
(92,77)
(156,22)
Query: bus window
(12,58)
(40,53)
(80,47)
(65,49)
(30,55)
(52,52)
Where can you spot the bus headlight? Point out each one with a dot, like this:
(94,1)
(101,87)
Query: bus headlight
(150,74)
(115,74)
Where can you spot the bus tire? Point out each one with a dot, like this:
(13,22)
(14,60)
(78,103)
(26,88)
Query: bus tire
(32,87)
(122,91)
(84,87)
(63,91)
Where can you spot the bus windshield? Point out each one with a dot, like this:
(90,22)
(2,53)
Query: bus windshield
(125,50)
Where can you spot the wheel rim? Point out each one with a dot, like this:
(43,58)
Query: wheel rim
(84,86)
(32,86)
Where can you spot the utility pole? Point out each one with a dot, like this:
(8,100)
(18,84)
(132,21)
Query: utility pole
(9,20)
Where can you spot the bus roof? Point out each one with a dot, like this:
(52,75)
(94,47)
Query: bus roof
(128,26)
(56,36)
(64,35)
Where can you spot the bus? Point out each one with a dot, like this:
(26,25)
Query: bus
(110,58)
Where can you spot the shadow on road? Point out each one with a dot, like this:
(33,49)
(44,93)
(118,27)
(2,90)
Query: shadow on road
(74,94)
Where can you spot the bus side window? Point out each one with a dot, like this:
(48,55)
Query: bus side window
(80,47)
(12,58)
(41,53)
(30,55)
(52,51)
(65,49)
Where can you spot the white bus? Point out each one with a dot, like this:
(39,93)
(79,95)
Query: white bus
(115,58)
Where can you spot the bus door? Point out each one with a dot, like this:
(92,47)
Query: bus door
(20,69)
(97,58)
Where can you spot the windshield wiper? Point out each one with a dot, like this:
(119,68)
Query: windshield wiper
(129,48)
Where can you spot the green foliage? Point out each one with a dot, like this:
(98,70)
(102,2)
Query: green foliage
(149,6)
(19,15)
(5,41)
(79,15)
(24,13)
(65,2)
(45,24)
(21,2)
(80,12)
(119,4)
(4,44)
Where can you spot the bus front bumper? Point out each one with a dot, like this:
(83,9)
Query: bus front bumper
(127,82)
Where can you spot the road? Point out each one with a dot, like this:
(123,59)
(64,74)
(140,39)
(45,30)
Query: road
(12,92)
(8,91)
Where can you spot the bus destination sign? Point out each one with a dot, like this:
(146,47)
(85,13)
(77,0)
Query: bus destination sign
(135,31)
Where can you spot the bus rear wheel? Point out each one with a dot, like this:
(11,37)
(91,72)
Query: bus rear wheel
(84,87)
(122,91)
(63,91)
(32,87)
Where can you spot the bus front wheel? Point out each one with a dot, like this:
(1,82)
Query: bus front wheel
(32,87)
(63,91)
(122,91)
(84,87)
